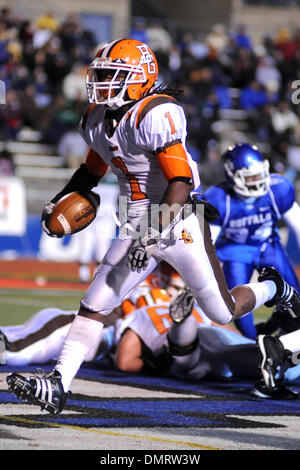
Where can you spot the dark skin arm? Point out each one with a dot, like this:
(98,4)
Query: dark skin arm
(176,195)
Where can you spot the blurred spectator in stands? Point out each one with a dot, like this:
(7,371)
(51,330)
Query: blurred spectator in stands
(197,47)
(47,21)
(26,33)
(284,44)
(73,148)
(46,26)
(201,80)
(293,160)
(268,75)
(253,96)
(73,84)
(76,42)
(285,122)
(138,30)
(7,17)
(20,78)
(62,117)
(174,64)
(43,96)
(158,37)
(160,41)
(57,66)
(7,166)
(30,107)
(241,37)
(261,124)
(10,116)
(242,69)
(217,39)
(4,41)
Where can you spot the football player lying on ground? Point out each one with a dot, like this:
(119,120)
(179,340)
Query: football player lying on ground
(171,338)
(251,202)
(139,131)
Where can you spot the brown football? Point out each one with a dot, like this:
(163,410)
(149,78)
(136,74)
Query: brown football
(72,213)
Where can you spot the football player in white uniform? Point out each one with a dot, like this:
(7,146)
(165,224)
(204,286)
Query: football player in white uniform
(139,132)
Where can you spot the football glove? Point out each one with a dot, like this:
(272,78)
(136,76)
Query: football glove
(141,251)
(182,306)
(211,213)
(47,211)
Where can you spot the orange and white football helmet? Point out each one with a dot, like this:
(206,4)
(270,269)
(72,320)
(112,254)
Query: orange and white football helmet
(122,71)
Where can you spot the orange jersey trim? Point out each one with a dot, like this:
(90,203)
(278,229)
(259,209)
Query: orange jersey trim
(150,103)
(174,162)
(127,307)
(95,164)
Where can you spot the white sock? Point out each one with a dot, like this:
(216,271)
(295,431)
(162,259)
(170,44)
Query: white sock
(82,341)
(184,333)
(263,291)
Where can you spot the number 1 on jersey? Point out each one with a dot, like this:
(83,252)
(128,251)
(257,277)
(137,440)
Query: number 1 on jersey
(171,122)
(136,192)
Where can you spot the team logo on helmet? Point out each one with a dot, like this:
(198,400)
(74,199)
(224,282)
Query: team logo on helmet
(147,58)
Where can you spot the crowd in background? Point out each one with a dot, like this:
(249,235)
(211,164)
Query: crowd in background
(43,64)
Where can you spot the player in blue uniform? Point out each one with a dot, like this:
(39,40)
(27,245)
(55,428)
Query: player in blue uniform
(251,201)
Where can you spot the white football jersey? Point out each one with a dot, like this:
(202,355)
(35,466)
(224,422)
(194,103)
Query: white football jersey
(130,148)
(152,324)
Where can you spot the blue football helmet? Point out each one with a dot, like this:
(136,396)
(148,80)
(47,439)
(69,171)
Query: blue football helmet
(246,170)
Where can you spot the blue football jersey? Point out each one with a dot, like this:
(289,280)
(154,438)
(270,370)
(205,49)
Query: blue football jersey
(247,224)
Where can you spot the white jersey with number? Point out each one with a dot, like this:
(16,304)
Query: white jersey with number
(152,324)
(137,147)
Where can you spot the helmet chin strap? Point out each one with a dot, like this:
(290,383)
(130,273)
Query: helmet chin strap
(118,101)
(117,104)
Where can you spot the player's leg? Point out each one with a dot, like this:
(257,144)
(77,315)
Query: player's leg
(237,273)
(39,340)
(113,280)
(276,256)
(182,337)
(276,355)
(198,265)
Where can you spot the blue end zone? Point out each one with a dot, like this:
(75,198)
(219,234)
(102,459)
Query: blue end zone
(212,403)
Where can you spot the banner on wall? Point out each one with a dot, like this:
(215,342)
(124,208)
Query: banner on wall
(13,213)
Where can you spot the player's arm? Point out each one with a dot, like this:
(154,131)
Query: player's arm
(174,164)
(285,197)
(291,219)
(161,128)
(86,177)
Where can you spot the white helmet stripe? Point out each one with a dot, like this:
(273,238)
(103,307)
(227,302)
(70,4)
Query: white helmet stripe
(107,49)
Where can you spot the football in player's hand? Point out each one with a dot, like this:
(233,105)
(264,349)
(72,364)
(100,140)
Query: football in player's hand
(72,213)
